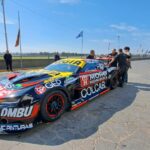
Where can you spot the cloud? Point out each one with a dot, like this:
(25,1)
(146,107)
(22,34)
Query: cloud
(124,27)
(8,21)
(98,41)
(65,1)
(60,13)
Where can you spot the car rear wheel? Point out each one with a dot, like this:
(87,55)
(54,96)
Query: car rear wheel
(53,106)
(114,82)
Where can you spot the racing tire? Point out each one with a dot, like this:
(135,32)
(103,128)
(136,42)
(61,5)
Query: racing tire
(113,82)
(53,106)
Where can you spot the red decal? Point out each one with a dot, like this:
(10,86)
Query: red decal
(79,105)
(4,92)
(30,84)
(40,89)
(84,80)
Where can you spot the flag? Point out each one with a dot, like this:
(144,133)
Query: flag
(79,35)
(2,2)
(18,39)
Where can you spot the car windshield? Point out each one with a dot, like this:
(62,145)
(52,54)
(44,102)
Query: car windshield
(62,68)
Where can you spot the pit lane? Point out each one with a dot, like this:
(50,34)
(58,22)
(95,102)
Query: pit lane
(118,120)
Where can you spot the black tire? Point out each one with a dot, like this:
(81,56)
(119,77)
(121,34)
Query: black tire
(53,106)
(114,82)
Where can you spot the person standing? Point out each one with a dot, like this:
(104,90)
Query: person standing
(92,55)
(56,57)
(8,61)
(113,55)
(122,66)
(128,59)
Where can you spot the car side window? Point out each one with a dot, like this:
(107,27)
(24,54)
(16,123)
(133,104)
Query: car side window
(90,67)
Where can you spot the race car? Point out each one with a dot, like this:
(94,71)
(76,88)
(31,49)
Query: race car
(29,98)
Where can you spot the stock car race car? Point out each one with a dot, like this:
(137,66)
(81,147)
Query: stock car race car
(32,97)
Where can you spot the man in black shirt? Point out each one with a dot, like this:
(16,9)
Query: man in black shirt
(122,66)
(57,57)
(92,55)
(8,61)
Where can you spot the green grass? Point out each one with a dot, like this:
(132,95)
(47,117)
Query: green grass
(29,57)
(35,57)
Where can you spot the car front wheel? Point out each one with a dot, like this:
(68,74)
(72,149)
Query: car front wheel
(53,106)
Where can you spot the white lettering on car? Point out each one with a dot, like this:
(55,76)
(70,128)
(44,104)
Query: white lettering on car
(88,79)
(15,127)
(16,112)
(92,90)
(53,84)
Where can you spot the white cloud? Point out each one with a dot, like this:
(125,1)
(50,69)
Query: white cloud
(69,1)
(8,21)
(65,1)
(124,27)
(101,41)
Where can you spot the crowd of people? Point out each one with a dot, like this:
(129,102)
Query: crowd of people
(121,60)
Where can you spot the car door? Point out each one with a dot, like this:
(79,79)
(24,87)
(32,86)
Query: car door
(92,80)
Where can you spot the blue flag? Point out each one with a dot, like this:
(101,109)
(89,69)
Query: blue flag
(80,35)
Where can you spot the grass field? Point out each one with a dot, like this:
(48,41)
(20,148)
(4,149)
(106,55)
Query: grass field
(37,57)
(29,57)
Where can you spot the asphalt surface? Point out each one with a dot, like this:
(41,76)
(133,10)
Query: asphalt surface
(119,120)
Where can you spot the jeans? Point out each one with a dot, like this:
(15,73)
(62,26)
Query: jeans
(126,75)
(121,75)
(9,65)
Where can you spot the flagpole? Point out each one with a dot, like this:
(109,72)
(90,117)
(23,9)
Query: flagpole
(82,46)
(21,64)
(5,28)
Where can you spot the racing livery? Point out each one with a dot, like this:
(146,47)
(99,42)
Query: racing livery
(32,97)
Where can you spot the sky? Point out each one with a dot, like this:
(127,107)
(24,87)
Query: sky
(52,25)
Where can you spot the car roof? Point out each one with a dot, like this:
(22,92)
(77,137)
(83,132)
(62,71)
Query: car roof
(80,62)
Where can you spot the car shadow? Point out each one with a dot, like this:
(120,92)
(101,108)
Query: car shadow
(81,123)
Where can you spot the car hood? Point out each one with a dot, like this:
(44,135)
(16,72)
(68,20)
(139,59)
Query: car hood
(17,81)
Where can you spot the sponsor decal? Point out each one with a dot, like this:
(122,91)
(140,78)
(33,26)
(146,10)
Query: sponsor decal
(40,89)
(53,84)
(76,62)
(5,93)
(16,112)
(100,66)
(92,78)
(15,127)
(7,84)
(90,91)
(84,80)
(58,76)
(1,88)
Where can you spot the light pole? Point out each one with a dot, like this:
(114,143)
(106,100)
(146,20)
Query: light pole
(5,28)
(118,37)
(108,47)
